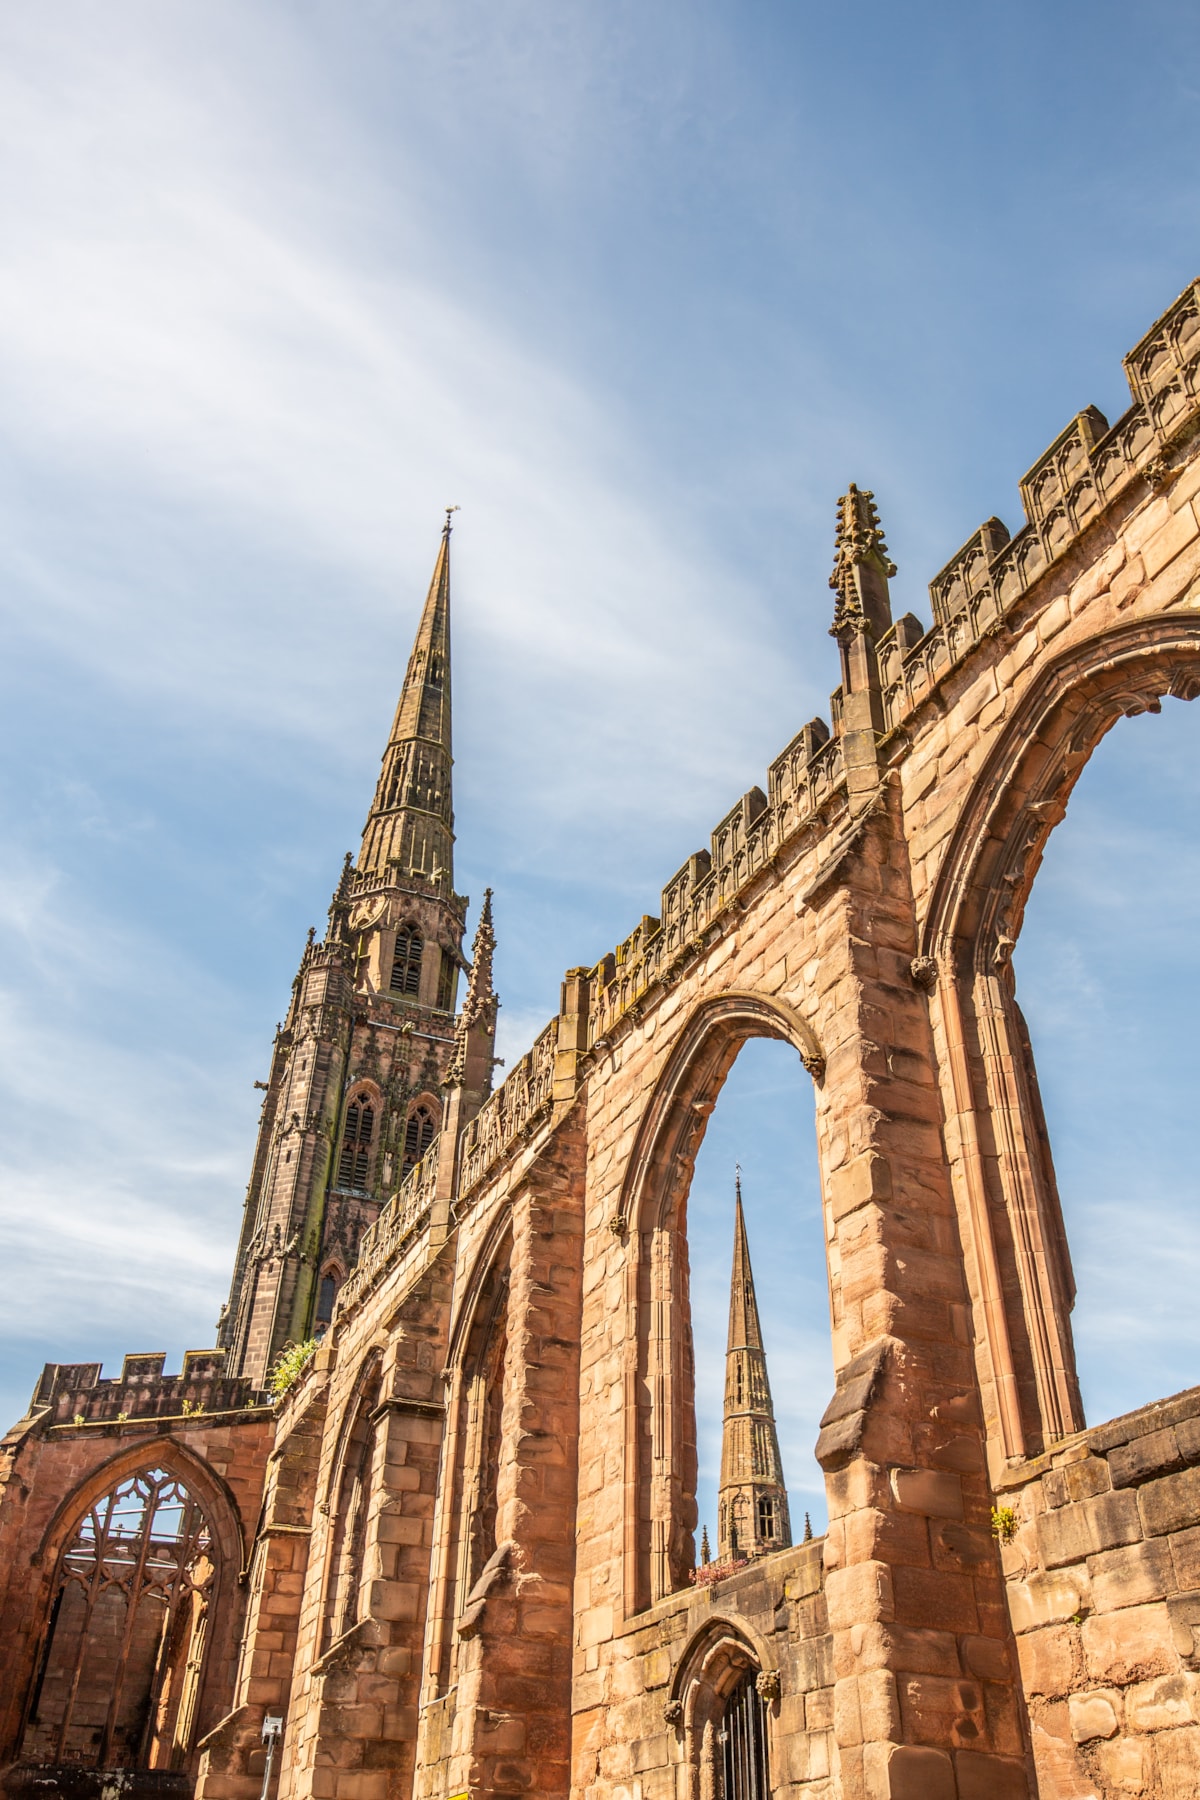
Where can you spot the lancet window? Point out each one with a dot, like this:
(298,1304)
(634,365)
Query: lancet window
(419,1131)
(406,961)
(343,1593)
(118,1678)
(354,1164)
(447,980)
(326,1295)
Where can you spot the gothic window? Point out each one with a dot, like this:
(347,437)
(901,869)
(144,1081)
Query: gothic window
(326,1295)
(118,1678)
(766,1517)
(742,1737)
(354,1164)
(343,1594)
(406,961)
(447,979)
(418,1135)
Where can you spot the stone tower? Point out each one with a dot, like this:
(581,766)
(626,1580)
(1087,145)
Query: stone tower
(752,1505)
(354,1096)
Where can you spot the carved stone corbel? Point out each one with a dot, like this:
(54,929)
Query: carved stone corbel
(768,1684)
(924,972)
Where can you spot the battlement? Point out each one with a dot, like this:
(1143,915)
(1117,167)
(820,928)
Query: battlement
(76,1393)
(1084,472)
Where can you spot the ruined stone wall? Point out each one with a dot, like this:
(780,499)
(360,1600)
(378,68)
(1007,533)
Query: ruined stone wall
(83,1435)
(473,1572)
(1103,1570)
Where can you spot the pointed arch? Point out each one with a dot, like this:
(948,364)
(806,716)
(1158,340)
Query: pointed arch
(660,1425)
(1018,1259)
(139,1570)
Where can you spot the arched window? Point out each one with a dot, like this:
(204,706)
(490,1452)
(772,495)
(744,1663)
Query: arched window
(118,1678)
(343,1594)
(406,961)
(354,1164)
(326,1295)
(418,1135)
(447,979)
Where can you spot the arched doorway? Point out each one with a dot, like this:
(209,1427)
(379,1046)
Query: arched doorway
(121,1665)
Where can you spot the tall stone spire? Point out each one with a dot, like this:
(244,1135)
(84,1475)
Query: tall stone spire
(410,828)
(355,1094)
(752,1506)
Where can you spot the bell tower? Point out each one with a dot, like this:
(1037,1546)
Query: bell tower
(752,1504)
(354,1095)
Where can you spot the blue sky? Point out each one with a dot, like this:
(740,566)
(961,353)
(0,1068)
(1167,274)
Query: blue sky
(641,288)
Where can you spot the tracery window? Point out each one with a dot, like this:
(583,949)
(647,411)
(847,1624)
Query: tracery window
(354,1164)
(406,961)
(118,1678)
(766,1517)
(419,1133)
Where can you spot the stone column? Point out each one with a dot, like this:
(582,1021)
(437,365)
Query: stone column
(512,1727)
(925,1702)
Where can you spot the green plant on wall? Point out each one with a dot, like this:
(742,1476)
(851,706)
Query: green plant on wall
(290,1364)
(1004,1524)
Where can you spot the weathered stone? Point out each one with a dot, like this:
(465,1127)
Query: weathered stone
(1079,1530)
(1096,1714)
(486,1474)
(1130,1645)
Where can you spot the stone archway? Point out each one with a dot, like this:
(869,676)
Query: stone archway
(660,1449)
(1018,1257)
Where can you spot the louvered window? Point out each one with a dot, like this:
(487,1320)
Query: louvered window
(418,1135)
(355,1161)
(406,962)
(446,976)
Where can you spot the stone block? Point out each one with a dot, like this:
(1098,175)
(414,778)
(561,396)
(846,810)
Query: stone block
(985,1777)
(1172,1504)
(1161,1704)
(1049,1599)
(1049,1660)
(1131,1645)
(1079,1530)
(1096,1714)
(935,1492)
(907,1772)
(1124,1764)
(1157,1453)
(1131,1575)
(1177,1758)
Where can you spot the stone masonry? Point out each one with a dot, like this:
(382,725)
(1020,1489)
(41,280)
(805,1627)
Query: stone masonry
(457,1556)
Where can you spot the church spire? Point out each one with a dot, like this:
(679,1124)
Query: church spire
(752,1501)
(410,828)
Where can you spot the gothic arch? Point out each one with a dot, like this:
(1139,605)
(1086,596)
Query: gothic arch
(207,1670)
(1018,1261)
(722,1654)
(347,1503)
(475,1364)
(660,1443)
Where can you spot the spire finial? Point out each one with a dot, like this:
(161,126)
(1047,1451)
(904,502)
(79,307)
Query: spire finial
(447,528)
(479,1006)
(858,545)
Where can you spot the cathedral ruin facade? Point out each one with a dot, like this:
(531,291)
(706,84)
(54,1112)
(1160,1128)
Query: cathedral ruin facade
(457,1555)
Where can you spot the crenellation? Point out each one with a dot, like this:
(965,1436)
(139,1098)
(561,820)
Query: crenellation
(458,1554)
